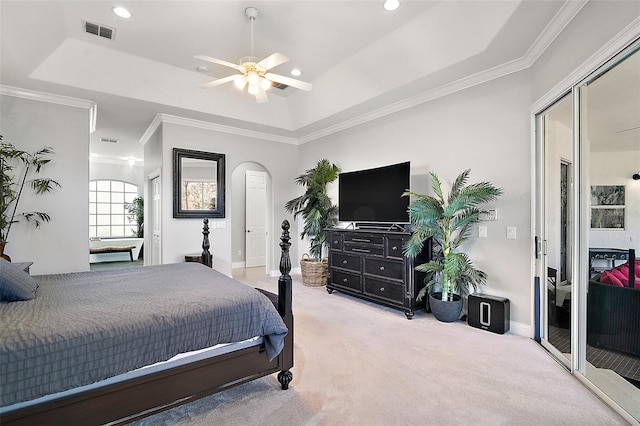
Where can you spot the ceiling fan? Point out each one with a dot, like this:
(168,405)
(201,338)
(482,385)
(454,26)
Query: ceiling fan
(254,74)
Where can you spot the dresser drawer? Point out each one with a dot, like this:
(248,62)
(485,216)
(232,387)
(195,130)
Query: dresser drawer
(364,249)
(392,292)
(394,247)
(384,268)
(345,262)
(345,279)
(364,239)
(335,242)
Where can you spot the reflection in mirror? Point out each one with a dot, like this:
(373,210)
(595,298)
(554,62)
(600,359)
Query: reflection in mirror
(198,184)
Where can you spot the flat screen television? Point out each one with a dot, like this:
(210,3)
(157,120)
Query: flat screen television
(374,195)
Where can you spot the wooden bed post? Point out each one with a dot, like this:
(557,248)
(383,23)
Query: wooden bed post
(285,306)
(206,254)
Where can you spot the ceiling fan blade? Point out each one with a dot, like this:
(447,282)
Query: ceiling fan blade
(302,85)
(219,81)
(272,61)
(261,96)
(216,61)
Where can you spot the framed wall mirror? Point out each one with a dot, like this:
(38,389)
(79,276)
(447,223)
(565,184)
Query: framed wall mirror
(198,184)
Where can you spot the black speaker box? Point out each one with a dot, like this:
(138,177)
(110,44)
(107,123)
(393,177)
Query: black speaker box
(488,313)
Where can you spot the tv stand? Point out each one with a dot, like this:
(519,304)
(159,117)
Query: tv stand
(369,264)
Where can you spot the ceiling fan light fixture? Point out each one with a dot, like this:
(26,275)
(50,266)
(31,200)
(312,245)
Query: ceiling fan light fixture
(240,81)
(256,74)
(253,78)
(265,84)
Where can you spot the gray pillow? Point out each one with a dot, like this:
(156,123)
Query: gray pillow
(15,284)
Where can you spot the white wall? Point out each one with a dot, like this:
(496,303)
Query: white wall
(486,129)
(61,245)
(184,236)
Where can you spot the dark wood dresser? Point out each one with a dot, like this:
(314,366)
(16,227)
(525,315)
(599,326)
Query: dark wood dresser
(369,264)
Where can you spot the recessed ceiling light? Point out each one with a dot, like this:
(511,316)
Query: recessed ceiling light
(202,68)
(391,5)
(296,72)
(121,12)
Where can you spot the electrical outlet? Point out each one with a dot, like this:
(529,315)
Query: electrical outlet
(491,214)
(482,231)
(511,232)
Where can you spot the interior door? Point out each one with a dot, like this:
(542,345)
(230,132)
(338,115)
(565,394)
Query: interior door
(156,188)
(256,218)
(555,130)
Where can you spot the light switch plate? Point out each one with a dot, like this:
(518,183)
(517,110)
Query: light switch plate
(482,231)
(511,232)
(491,214)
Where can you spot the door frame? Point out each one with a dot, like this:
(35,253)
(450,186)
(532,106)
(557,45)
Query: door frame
(619,48)
(148,213)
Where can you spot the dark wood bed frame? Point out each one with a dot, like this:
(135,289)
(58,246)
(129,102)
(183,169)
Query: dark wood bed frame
(141,397)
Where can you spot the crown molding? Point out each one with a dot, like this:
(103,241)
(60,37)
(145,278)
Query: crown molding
(424,97)
(590,66)
(558,23)
(172,119)
(33,95)
(561,19)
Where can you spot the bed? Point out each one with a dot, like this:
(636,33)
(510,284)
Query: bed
(79,352)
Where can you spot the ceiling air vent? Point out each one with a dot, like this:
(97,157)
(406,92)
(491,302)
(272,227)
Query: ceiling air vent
(107,140)
(99,30)
(279,85)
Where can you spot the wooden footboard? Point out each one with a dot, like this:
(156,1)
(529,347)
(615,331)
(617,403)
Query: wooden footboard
(140,397)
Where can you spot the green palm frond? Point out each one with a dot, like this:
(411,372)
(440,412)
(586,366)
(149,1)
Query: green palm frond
(449,224)
(12,186)
(315,206)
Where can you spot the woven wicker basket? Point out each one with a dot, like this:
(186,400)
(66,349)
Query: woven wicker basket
(314,274)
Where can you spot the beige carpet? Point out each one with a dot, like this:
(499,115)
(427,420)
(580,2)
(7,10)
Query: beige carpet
(358,363)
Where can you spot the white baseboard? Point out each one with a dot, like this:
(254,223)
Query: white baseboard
(520,329)
(235,265)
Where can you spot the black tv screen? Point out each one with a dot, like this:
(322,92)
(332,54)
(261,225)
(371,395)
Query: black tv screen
(374,195)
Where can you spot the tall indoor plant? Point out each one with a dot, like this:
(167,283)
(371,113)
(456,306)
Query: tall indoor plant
(448,222)
(135,212)
(12,186)
(318,213)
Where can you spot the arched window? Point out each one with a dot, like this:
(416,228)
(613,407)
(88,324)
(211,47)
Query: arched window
(108,216)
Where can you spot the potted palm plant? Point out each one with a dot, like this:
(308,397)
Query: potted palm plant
(12,187)
(448,222)
(318,213)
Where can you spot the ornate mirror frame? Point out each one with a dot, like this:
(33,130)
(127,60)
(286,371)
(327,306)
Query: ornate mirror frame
(188,164)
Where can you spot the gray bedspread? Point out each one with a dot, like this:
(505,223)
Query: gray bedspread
(88,326)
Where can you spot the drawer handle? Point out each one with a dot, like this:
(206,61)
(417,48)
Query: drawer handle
(335,241)
(344,280)
(382,268)
(381,288)
(344,262)
(394,248)
(361,240)
(361,250)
